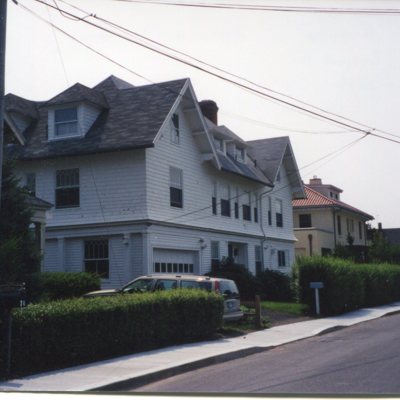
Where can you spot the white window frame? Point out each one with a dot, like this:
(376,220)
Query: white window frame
(176,130)
(176,182)
(66,122)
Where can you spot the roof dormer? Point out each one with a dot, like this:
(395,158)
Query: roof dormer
(73,112)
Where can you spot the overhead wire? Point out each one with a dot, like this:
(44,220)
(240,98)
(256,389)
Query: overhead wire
(256,7)
(342,149)
(124,29)
(370,131)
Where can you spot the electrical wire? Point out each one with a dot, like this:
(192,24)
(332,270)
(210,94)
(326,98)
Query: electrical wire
(135,34)
(370,131)
(255,7)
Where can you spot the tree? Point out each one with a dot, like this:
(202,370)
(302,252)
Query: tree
(19,256)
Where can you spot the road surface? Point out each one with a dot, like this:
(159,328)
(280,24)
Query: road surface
(364,358)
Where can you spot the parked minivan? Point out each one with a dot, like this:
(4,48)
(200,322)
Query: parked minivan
(151,283)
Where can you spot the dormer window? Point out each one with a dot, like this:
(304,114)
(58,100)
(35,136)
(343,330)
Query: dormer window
(66,122)
(240,154)
(219,144)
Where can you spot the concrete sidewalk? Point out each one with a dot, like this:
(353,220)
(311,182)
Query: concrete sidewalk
(142,368)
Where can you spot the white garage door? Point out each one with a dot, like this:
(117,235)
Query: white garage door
(175,261)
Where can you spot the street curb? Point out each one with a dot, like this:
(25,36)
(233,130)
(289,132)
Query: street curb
(132,383)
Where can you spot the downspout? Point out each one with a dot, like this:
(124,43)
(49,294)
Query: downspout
(262,227)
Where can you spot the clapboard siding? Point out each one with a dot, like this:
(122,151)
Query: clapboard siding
(51,259)
(198,181)
(112,187)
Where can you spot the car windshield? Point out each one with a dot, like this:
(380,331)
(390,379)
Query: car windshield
(140,285)
(229,289)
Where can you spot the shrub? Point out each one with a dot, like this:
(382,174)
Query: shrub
(276,286)
(343,286)
(347,286)
(64,333)
(247,283)
(45,286)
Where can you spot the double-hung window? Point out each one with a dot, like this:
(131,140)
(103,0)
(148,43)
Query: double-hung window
(269,211)
(215,254)
(225,201)
(305,221)
(67,188)
(66,122)
(255,208)
(278,213)
(339,225)
(96,257)
(175,134)
(282,258)
(247,208)
(214,199)
(237,204)
(31,183)
(257,251)
(176,187)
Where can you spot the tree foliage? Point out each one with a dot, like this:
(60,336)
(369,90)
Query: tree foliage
(19,256)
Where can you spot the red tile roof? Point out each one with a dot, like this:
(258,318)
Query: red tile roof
(315,199)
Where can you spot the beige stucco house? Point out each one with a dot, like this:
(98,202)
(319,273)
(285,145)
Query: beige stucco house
(322,221)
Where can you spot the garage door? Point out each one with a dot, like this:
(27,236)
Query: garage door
(175,261)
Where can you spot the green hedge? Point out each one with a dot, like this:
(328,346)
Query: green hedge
(59,334)
(276,286)
(347,286)
(49,286)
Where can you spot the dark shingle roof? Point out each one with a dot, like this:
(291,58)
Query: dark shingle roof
(268,153)
(35,202)
(78,93)
(13,103)
(229,164)
(133,119)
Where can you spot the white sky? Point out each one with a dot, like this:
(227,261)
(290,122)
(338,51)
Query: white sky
(346,64)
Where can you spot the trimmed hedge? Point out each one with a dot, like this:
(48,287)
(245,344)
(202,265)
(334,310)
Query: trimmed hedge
(49,286)
(276,286)
(65,333)
(347,286)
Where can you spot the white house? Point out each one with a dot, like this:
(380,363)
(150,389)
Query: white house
(143,180)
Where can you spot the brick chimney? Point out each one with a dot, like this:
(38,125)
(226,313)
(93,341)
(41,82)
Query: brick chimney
(209,109)
(315,181)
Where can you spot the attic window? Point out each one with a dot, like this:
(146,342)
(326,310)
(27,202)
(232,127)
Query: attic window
(240,154)
(175,131)
(219,144)
(66,121)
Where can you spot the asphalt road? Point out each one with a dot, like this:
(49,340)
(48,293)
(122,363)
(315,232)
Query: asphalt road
(362,359)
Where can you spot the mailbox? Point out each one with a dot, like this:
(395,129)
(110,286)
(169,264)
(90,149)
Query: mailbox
(316,285)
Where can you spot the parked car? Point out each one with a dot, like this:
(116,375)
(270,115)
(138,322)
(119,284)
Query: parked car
(151,283)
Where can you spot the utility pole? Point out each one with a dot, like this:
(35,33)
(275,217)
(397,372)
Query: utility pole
(3,21)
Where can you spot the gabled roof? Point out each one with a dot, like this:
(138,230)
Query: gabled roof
(315,199)
(270,154)
(132,119)
(76,94)
(229,164)
(13,103)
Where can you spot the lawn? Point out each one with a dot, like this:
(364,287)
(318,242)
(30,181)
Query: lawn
(285,308)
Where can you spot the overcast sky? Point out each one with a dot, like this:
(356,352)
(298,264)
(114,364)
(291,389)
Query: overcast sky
(346,64)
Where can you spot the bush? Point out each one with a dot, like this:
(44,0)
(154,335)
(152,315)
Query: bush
(48,286)
(347,286)
(247,283)
(276,286)
(64,333)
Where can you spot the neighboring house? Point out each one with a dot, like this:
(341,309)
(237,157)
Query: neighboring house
(144,180)
(322,221)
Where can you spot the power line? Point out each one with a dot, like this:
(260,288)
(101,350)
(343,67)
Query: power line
(330,155)
(124,29)
(255,7)
(370,131)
